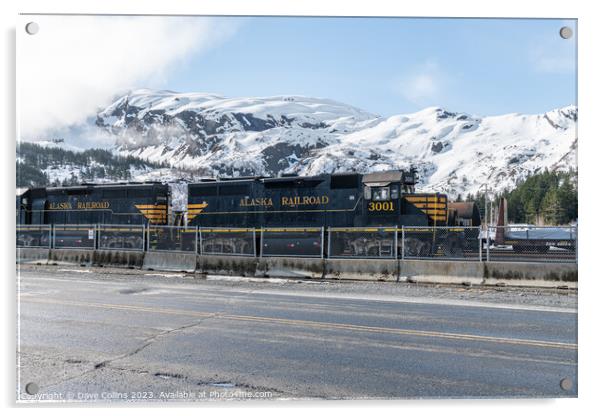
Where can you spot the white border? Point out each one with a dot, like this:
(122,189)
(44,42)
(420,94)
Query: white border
(590,122)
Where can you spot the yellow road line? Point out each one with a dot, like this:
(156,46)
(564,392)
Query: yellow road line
(315,324)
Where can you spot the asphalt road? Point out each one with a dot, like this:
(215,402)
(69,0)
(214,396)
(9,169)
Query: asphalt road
(85,335)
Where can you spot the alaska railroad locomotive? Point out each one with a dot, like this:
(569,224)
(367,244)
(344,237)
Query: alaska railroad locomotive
(335,200)
(382,199)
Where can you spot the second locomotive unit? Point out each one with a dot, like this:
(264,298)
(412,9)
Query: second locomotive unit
(328,200)
(382,199)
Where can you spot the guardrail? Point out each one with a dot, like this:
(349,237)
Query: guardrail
(512,243)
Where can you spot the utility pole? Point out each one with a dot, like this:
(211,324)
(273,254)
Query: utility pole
(486,201)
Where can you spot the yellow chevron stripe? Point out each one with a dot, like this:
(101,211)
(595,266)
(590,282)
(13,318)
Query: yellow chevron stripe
(155,214)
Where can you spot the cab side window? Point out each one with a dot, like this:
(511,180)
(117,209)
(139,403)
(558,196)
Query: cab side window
(380,194)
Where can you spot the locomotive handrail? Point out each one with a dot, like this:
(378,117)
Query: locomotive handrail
(74,227)
(362,229)
(138,228)
(297,229)
(226,230)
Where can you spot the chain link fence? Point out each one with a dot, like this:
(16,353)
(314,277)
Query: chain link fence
(34,236)
(531,243)
(228,241)
(446,243)
(362,242)
(74,236)
(121,237)
(168,238)
(509,243)
(293,242)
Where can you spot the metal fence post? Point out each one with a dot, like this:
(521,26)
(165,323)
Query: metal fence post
(53,236)
(322,243)
(200,232)
(487,240)
(143,237)
(576,244)
(403,242)
(480,245)
(329,242)
(395,244)
(261,242)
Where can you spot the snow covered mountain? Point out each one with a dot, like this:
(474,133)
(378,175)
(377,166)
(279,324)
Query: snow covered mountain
(456,153)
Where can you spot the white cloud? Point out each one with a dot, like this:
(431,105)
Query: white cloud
(75,64)
(423,85)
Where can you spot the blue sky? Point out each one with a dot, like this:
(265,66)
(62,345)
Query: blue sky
(392,65)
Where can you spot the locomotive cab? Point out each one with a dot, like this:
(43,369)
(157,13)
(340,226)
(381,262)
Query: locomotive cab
(382,196)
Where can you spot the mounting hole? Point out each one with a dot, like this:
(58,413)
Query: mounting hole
(566,384)
(32,28)
(31,388)
(566,32)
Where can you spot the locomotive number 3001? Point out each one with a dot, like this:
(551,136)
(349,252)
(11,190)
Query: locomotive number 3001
(380,206)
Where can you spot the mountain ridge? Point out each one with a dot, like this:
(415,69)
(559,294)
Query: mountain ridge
(207,134)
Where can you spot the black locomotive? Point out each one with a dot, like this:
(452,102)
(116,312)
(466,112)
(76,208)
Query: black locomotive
(337,200)
(382,199)
(124,203)
(89,204)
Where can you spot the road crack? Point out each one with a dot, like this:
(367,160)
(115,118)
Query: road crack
(145,344)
